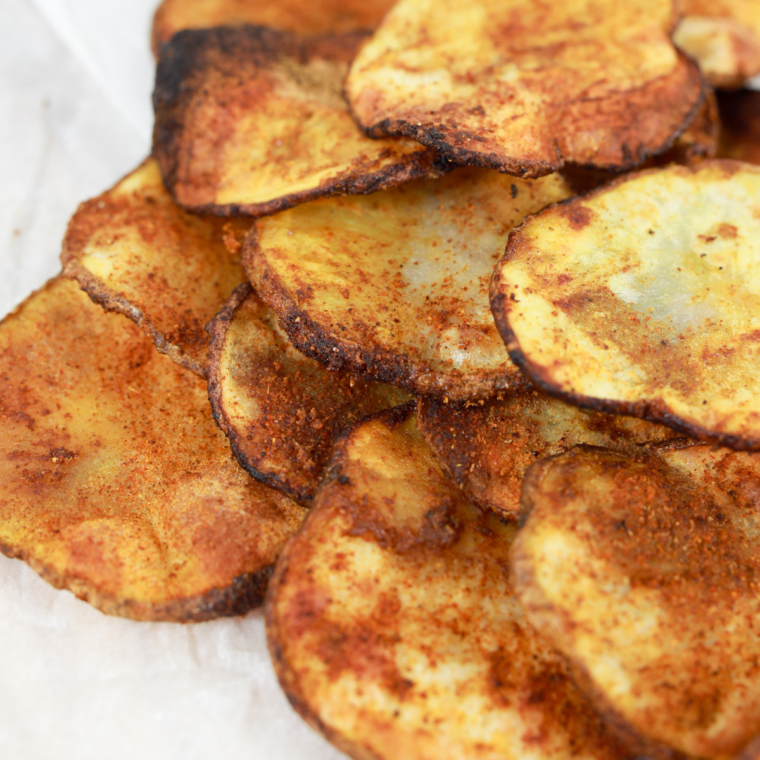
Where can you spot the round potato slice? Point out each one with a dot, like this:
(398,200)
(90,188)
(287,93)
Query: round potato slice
(644,572)
(642,298)
(523,87)
(136,252)
(300,16)
(395,285)
(486,447)
(281,411)
(114,481)
(250,121)
(393,627)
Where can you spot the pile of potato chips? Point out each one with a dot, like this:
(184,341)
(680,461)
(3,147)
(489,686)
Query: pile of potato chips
(482,445)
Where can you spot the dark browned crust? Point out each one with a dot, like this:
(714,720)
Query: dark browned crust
(245,593)
(449,141)
(179,80)
(111,301)
(653,410)
(740,121)
(364,359)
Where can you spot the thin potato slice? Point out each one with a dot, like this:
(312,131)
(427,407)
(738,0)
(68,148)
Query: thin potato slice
(524,87)
(114,481)
(642,298)
(299,16)
(395,285)
(134,251)
(723,36)
(486,448)
(281,410)
(250,121)
(393,627)
(644,572)
(740,125)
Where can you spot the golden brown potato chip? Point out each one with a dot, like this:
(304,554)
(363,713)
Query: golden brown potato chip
(723,36)
(524,87)
(393,626)
(644,572)
(114,481)
(300,16)
(134,251)
(486,447)
(250,121)
(395,285)
(281,410)
(740,125)
(643,299)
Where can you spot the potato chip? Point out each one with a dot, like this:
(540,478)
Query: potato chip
(486,448)
(134,251)
(394,629)
(524,87)
(114,481)
(395,285)
(740,125)
(250,121)
(644,572)
(281,410)
(723,36)
(312,17)
(642,299)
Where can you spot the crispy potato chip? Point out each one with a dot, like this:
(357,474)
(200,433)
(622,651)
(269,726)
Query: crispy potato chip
(393,626)
(134,251)
(114,481)
(644,572)
(523,87)
(723,36)
(643,299)
(486,448)
(740,125)
(281,410)
(299,16)
(250,121)
(395,285)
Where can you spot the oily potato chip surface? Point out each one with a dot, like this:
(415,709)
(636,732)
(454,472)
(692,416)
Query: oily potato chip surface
(136,252)
(395,285)
(486,448)
(114,481)
(642,298)
(643,571)
(250,121)
(393,627)
(281,410)
(300,16)
(524,87)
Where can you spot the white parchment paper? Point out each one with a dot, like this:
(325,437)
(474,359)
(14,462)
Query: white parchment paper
(75,115)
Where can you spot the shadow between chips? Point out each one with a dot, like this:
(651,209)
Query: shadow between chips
(114,481)
(393,626)
(281,410)
(250,121)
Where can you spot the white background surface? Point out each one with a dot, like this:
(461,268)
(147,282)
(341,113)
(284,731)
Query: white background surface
(75,115)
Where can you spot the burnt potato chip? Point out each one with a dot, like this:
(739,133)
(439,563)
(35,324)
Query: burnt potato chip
(281,410)
(134,251)
(250,121)
(486,447)
(395,285)
(740,125)
(642,299)
(393,626)
(300,16)
(723,36)
(523,87)
(115,483)
(644,572)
